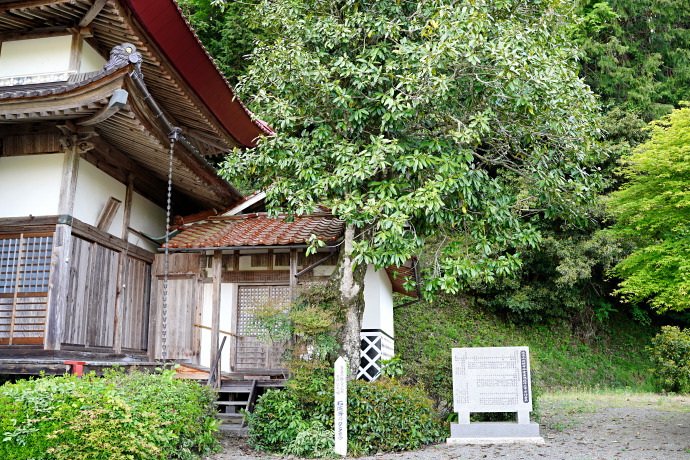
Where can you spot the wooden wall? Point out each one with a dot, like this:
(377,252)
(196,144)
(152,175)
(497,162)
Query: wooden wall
(183,301)
(90,316)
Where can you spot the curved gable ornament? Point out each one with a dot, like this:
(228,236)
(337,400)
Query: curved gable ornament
(122,55)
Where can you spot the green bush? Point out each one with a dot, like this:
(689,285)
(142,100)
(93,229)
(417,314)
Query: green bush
(276,420)
(388,416)
(384,415)
(670,353)
(118,416)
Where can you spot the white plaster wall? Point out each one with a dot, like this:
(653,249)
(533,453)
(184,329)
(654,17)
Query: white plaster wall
(35,56)
(146,217)
(227,294)
(90,59)
(30,185)
(94,187)
(378,301)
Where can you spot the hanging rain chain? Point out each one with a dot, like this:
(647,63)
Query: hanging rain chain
(173,137)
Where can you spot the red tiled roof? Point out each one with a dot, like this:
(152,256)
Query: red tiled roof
(257,230)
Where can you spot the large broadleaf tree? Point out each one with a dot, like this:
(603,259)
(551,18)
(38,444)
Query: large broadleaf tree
(463,120)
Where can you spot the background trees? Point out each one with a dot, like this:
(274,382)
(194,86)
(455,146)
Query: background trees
(465,121)
(653,211)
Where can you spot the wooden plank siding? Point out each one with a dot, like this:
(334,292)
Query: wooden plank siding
(89,319)
(184,300)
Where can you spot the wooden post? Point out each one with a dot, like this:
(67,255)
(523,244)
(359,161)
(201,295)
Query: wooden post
(122,267)
(215,305)
(16,287)
(293,272)
(62,248)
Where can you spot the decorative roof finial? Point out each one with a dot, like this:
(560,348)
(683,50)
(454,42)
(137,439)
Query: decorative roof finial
(124,54)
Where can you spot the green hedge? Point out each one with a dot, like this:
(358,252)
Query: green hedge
(383,416)
(118,416)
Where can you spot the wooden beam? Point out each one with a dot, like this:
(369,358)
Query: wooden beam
(36,32)
(107,215)
(116,102)
(30,224)
(121,267)
(92,13)
(128,206)
(75,52)
(91,233)
(117,324)
(293,272)
(203,137)
(6,5)
(62,248)
(21,129)
(215,304)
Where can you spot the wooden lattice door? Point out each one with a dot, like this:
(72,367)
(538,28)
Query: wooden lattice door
(24,283)
(250,351)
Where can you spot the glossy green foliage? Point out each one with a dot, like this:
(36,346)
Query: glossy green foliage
(670,353)
(653,211)
(637,53)
(415,118)
(383,416)
(114,417)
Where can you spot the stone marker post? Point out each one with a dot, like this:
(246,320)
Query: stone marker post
(340,405)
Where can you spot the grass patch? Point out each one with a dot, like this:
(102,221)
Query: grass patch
(561,358)
(588,400)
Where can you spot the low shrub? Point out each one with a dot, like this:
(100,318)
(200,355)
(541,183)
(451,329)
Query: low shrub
(670,353)
(118,416)
(387,416)
(383,416)
(276,420)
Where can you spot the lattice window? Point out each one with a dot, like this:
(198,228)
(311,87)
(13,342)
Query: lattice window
(25,263)
(252,296)
(24,281)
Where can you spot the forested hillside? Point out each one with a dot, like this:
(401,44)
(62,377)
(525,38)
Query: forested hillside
(550,231)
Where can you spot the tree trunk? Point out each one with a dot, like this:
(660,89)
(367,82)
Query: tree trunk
(349,283)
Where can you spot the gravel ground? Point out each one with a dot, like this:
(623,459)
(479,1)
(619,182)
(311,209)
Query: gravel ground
(573,426)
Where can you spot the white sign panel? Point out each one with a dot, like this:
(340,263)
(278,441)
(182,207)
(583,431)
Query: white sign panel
(492,379)
(340,406)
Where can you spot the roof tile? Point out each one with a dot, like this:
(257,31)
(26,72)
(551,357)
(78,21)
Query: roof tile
(257,230)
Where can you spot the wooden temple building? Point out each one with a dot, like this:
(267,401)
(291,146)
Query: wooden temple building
(92,95)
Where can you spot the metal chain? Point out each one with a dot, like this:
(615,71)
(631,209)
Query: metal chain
(164,345)
(173,136)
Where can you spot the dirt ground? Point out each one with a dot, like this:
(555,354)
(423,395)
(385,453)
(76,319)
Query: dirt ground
(574,426)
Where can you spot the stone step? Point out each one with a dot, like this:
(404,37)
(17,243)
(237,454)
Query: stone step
(235,430)
(229,417)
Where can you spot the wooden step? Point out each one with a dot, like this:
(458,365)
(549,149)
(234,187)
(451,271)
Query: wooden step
(224,390)
(231,403)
